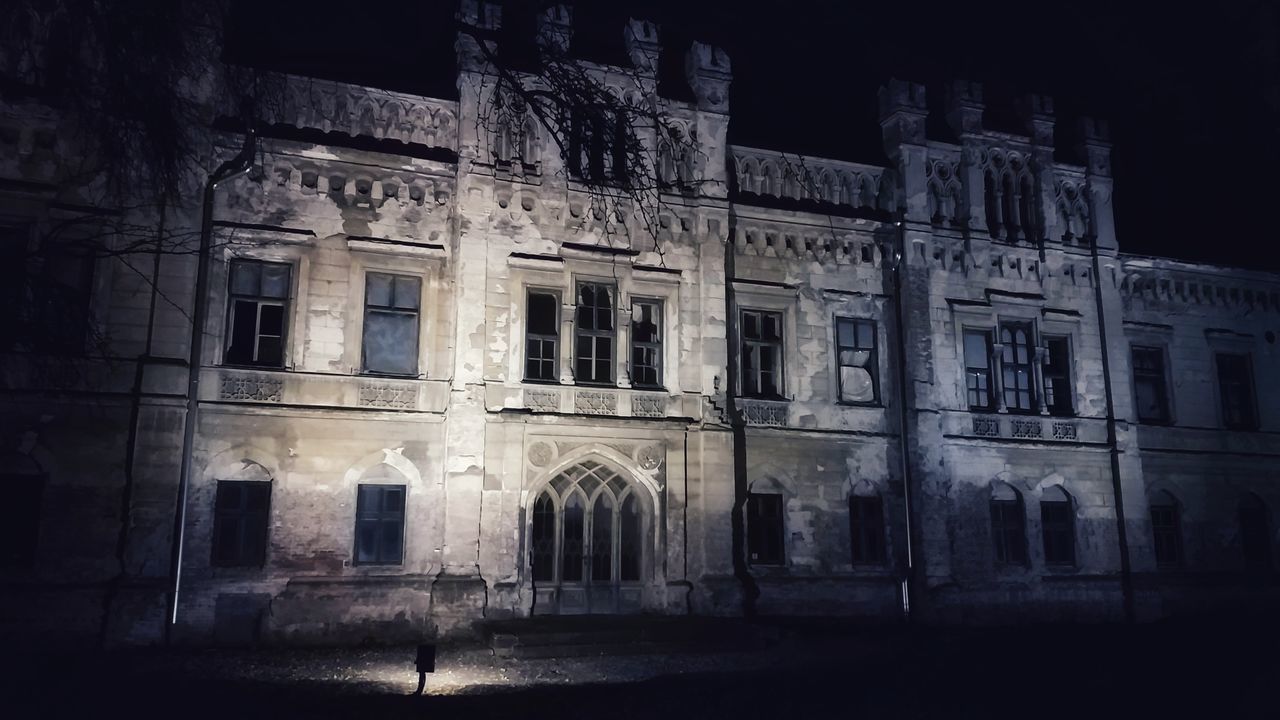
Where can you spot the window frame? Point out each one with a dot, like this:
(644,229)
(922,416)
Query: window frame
(1065,406)
(860,508)
(989,371)
(1171,531)
(1012,325)
(873,362)
(778,350)
(595,334)
(1064,527)
(1166,407)
(768,535)
(658,347)
(1002,531)
(242,515)
(285,304)
(378,519)
(529,335)
(1247,387)
(416,313)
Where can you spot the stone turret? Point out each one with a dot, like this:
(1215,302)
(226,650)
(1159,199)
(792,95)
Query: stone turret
(643,46)
(555,28)
(964,107)
(964,116)
(707,69)
(902,115)
(484,19)
(1095,147)
(1037,117)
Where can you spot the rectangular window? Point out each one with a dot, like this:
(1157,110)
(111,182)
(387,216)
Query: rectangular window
(380,524)
(241,511)
(1235,385)
(20,519)
(646,343)
(977,369)
(1017,354)
(14,322)
(258,308)
(1008,532)
(761,353)
(856,357)
(542,337)
(1057,376)
(1057,524)
(595,333)
(1167,535)
(764,528)
(46,294)
(866,529)
(391,323)
(1149,387)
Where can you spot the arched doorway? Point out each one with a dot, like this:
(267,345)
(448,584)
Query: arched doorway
(588,535)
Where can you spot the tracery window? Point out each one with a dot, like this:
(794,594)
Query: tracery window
(587,528)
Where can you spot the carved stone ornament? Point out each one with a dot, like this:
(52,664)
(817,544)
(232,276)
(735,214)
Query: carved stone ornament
(540,454)
(649,457)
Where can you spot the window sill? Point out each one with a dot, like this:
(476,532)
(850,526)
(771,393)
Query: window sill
(390,376)
(868,405)
(233,366)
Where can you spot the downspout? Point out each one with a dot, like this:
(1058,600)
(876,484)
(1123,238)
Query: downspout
(737,520)
(908,581)
(1122,535)
(237,165)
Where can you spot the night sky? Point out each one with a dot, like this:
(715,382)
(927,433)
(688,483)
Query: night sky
(1193,98)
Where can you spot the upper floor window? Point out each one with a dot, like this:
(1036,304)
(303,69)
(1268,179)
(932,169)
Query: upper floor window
(380,524)
(391,323)
(257,312)
(761,353)
(1057,376)
(241,512)
(977,369)
(856,357)
(1057,523)
(542,337)
(46,294)
(1166,530)
(1008,527)
(866,529)
(598,146)
(595,331)
(1150,391)
(764,528)
(646,343)
(1016,373)
(1235,385)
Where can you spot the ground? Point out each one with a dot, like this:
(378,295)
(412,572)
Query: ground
(1221,669)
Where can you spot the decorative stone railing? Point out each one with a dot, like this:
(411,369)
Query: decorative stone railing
(281,387)
(1144,282)
(764,413)
(787,176)
(362,111)
(614,402)
(1029,428)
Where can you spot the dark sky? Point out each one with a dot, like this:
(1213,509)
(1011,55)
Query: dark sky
(1193,98)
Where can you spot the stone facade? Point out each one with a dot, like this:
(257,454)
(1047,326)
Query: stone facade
(800,304)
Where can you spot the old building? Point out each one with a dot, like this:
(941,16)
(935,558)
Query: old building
(439,384)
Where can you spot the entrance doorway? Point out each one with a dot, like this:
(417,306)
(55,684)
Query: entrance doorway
(587,538)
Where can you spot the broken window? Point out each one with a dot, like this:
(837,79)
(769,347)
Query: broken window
(866,529)
(257,313)
(542,336)
(20,523)
(1057,376)
(1057,524)
(646,343)
(1235,385)
(1149,385)
(1166,530)
(595,331)
(1008,530)
(761,353)
(764,528)
(1016,375)
(380,524)
(977,369)
(241,511)
(391,323)
(856,357)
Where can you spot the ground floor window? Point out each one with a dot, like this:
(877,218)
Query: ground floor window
(587,527)
(380,524)
(764,528)
(241,511)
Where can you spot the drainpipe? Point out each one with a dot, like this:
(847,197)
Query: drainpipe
(737,519)
(1122,535)
(909,576)
(236,166)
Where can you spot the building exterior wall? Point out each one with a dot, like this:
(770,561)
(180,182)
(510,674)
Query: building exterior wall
(475,442)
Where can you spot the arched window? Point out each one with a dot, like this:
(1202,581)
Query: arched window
(1057,523)
(1255,532)
(1008,528)
(242,506)
(1166,530)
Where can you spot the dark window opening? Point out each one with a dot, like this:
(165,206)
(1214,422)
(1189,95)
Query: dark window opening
(761,354)
(1149,387)
(764,528)
(1057,376)
(866,530)
(542,337)
(1235,385)
(1057,521)
(646,343)
(856,356)
(390,343)
(1166,532)
(46,294)
(1255,533)
(1008,530)
(20,520)
(380,524)
(258,307)
(241,513)
(595,334)
(977,369)
(1017,355)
